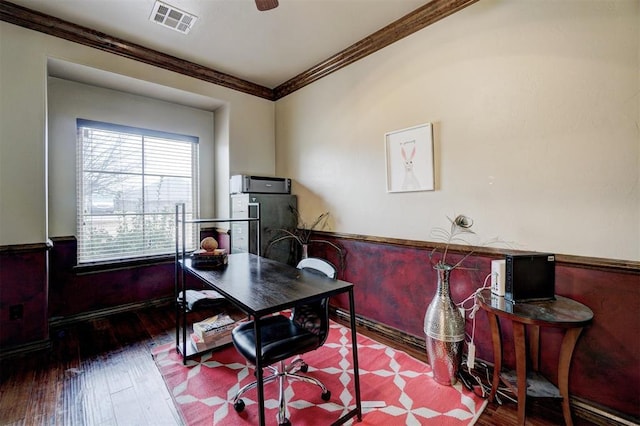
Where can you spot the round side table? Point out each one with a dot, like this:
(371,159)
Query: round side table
(561,313)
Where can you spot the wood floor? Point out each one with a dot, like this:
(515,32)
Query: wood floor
(100,372)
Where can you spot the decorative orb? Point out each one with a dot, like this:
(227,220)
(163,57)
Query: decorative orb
(209,244)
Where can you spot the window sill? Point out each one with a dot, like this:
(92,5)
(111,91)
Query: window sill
(115,265)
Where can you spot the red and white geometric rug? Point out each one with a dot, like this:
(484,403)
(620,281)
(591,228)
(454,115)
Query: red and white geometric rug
(396,389)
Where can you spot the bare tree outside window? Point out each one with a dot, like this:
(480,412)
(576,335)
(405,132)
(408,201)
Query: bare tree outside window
(129,181)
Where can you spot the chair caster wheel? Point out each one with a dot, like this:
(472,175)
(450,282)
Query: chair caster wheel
(285,423)
(238,405)
(326,395)
(304,367)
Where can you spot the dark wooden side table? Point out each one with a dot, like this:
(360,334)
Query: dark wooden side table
(562,313)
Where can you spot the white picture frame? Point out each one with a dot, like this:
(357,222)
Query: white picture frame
(409,159)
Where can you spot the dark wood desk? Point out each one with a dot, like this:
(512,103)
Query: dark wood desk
(562,313)
(261,286)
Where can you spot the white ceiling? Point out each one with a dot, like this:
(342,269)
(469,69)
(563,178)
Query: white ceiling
(232,36)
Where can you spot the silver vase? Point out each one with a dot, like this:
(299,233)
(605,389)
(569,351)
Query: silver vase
(444,329)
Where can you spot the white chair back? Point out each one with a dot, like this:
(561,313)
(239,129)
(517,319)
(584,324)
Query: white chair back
(319,265)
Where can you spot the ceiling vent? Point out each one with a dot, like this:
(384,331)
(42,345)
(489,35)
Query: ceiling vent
(171,17)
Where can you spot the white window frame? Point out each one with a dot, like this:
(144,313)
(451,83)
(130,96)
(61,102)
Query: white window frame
(100,220)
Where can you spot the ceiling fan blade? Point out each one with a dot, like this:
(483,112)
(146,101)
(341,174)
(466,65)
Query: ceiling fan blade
(266,4)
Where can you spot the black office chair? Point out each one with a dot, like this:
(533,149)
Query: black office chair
(282,337)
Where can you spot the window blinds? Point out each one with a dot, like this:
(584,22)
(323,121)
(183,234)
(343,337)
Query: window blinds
(129,181)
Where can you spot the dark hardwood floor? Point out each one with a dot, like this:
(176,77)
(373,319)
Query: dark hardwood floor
(100,372)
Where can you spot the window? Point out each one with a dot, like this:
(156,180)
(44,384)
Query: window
(129,181)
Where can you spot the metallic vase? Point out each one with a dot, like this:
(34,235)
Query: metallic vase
(444,329)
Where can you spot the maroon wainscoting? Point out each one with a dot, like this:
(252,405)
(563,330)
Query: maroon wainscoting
(606,362)
(74,293)
(23,286)
(394,285)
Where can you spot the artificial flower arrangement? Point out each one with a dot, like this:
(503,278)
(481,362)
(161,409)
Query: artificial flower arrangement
(458,233)
(460,227)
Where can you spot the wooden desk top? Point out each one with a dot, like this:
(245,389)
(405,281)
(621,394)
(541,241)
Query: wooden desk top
(561,312)
(260,286)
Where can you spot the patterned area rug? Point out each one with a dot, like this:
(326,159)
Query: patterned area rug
(396,389)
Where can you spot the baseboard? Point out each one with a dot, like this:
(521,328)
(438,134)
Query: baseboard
(27,348)
(581,408)
(385,331)
(599,415)
(59,322)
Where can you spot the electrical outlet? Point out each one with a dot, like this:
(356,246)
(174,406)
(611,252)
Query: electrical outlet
(16,312)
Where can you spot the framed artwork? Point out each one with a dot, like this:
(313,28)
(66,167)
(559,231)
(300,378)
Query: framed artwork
(410,159)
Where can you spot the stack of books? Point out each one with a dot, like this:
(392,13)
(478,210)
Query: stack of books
(209,258)
(212,332)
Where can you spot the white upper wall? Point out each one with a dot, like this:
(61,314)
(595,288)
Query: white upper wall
(247,123)
(535,107)
(68,100)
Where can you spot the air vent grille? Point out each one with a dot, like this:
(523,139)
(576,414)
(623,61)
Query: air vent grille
(172,17)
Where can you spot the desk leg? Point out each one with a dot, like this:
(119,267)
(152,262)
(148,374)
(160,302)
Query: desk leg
(496,338)
(354,351)
(566,351)
(259,376)
(521,368)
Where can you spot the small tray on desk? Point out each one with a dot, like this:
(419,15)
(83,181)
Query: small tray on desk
(203,259)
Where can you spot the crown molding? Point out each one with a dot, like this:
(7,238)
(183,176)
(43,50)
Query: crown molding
(50,25)
(420,18)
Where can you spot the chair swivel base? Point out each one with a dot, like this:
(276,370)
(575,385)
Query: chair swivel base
(281,375)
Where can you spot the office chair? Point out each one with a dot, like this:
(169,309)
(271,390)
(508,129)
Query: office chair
(282,337)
